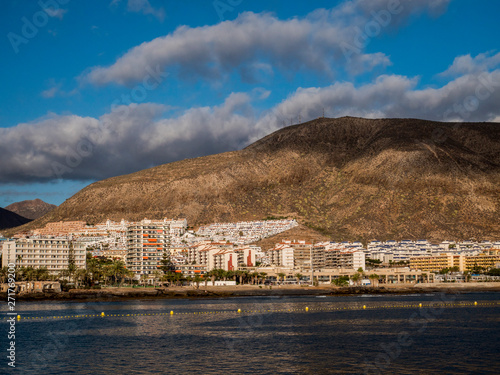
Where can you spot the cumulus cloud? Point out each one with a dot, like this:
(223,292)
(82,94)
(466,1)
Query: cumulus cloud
(470,97)
(137,136)
(467,64)
(323,41)
(127,139)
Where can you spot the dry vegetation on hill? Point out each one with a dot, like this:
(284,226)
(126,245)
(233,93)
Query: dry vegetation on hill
(347,178)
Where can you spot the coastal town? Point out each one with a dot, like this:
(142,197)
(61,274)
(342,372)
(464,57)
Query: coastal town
(149,250)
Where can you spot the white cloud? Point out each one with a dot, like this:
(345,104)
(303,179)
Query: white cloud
(142,6)
(471,97)
(127,139)
(467,64)
(323,41)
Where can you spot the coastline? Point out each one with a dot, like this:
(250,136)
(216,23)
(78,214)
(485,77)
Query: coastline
(126,293)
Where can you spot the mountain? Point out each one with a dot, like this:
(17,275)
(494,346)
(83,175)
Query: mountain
(348,178)
(31,209)
(10,219)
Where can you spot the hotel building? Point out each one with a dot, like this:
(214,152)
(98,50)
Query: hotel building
(53,253)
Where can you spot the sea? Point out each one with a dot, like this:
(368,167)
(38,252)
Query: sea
(363,334)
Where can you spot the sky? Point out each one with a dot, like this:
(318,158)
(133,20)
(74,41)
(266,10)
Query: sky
(94,89)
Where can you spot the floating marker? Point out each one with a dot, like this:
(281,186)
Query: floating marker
(171,312)
(102,314)
(419,305)
(19,317)
(475,304)
(307,308)
(239,310)
(364,306)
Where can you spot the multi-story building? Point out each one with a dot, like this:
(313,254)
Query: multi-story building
(60,228)
(281,255)
(54,253)
(464,262)
(148,241)
(353,259)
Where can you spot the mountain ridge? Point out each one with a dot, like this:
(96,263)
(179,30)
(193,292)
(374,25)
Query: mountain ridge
(9,219)
(31,209)
(349,178)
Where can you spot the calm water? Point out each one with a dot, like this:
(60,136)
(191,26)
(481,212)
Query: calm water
(397,341)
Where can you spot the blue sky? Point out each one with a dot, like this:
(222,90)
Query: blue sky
(96,89)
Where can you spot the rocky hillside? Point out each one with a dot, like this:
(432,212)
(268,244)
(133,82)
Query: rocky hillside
(348,178)
(32,209)
(9,219)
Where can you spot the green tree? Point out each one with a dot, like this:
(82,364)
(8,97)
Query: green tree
(4,271)
(157,274)
(197,279)
(166,263)
(341,281)
(356,278)
(374,278)
(281,276)
(298,276)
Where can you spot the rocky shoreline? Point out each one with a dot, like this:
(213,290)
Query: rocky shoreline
(249,291)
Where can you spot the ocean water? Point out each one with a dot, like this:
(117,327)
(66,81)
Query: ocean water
(336,336)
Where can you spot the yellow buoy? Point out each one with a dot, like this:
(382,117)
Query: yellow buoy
(171,312)
(102,314)
(19,317)
(364,306)
(419,305)
(475,304)
(307,308)
(239,310)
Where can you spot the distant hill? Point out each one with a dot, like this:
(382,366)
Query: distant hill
(31,209)
(347,178)
(10,219)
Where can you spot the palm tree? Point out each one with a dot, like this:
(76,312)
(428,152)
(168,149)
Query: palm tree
(3,273)
(197,280)
(80,275)
(129,275)
(374,277)
(156,276)
(244,277)
(281,276)
(356,278)
(263,275)
(298,277)
(42,274)
(108,272)
(117,268)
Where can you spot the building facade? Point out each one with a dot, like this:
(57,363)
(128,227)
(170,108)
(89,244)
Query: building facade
(54,253)
(148,241)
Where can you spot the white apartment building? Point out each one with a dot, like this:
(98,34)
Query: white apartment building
(54,253)
(148,240)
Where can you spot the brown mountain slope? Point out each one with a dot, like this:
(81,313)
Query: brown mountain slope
(9,219)
(298,233)
(349,178)
(32,209)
